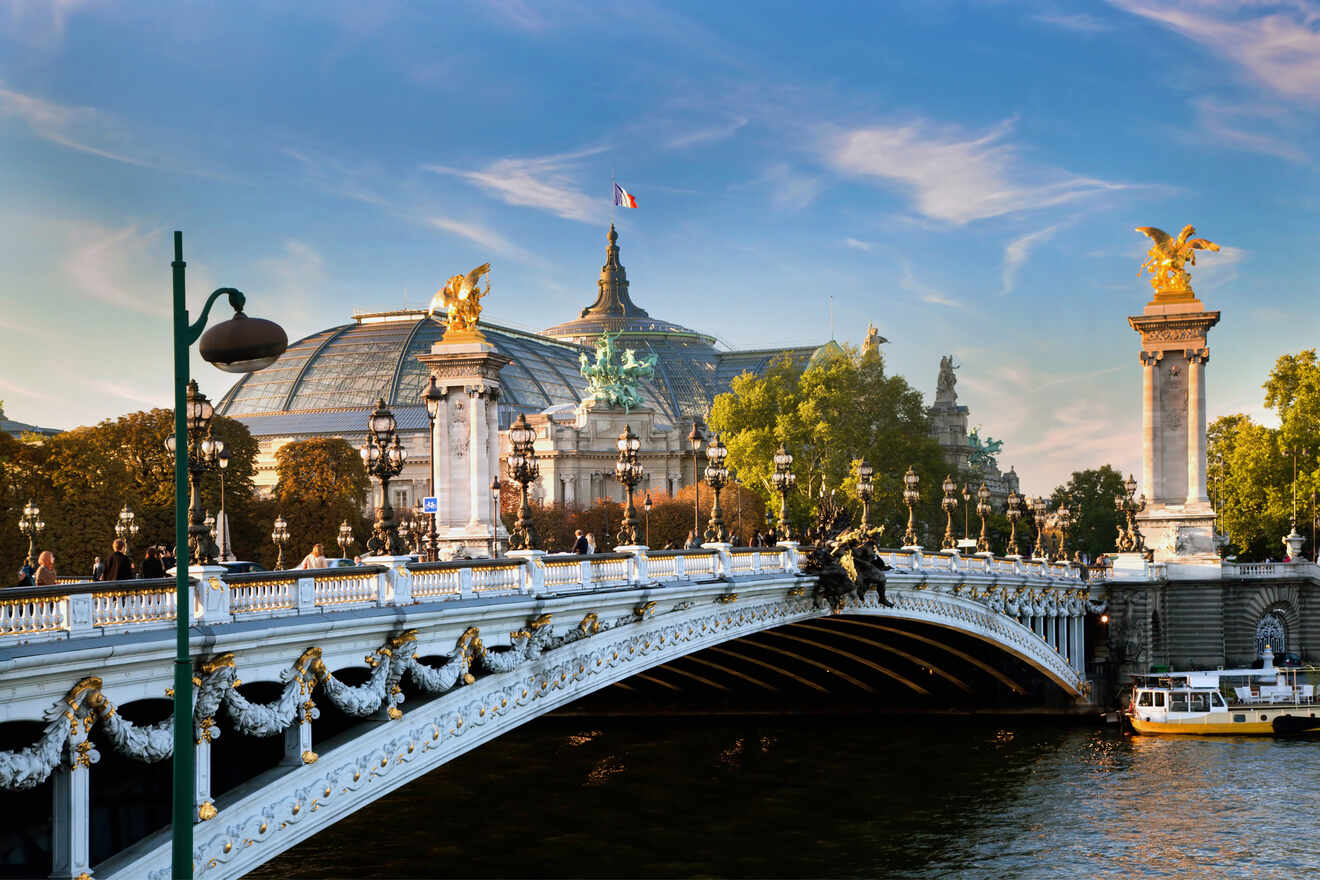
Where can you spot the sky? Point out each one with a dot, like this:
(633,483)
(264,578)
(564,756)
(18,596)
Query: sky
(965,175)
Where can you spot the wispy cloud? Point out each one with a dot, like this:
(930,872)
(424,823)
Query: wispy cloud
(79,128)
(708,135)
(1276,43)
(790,189)
(955,177)
(1242,127)
(858,244)
(1018,250)
(38,22)
(480,236)
(546,183)
(108,267)
(926,293)
(1079,22)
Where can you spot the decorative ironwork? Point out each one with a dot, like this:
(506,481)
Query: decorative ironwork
(204,453)
(911,495)
(1038,515)
(1064,518)
(696,437)
(279,536)
(30,525)
(865,490)
(784,480)
(983,509)
(949,503)
(384,457)
(523,470)
(344,538)
(717,476)
(126,526)
(967,509)
(628,471)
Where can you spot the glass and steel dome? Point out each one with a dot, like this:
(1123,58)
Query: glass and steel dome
(324,382)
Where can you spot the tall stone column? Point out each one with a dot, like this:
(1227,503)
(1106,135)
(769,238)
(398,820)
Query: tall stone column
(465,444)
(1196,360)
(1150,415)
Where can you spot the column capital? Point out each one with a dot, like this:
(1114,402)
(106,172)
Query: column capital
(1197,355)
(1150,358)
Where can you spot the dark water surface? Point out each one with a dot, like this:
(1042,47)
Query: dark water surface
(837,797)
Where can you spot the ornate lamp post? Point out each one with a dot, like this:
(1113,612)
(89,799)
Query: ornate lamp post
(384,457)
(967,509)
(523,469)
(647,504)
(30,525)
(696,438)
(203,454)
(419,529)
(628,471)
(865,490)
(1064,517)
(238,345)
(405,533)
(911,495)
(950,503)
(209,522)
(784,479)
(279,536)
(127,528)
(433,397)
(1038,514)
(983,510)
(495,488)
(344,539)
(1130,540)
(223,461)
(1014,513)
(717,475)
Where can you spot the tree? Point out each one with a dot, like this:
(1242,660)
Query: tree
(1089,495)
(320,483)
(828,416)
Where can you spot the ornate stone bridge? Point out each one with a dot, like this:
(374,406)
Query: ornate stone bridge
(484,646)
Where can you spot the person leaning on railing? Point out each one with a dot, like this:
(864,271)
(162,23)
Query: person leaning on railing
(46,569)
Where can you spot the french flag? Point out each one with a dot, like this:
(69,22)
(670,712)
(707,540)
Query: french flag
(623,198)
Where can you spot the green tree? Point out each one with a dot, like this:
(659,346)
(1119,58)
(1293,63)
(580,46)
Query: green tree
(1089,495)
(320,483)
(828,416)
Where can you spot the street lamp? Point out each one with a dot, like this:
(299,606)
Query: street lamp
(223,460)
(696,438)
(628,471)
(238,345)
(344,539)
(911,495)
(1294,452)
(865,490)
(1064,517)
(279,536)
(950,503)
(1038,514)
(384,457)
(1014,513)
(127,528)
(202,454)
(495,517)
(784,479)
(983,510)
(646,506)
(1131,539)
(967,509)
(209,522)
(523,469)
(717,475)
(30,525)
(434,398)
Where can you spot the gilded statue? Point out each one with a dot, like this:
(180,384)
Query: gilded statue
(461,300)
(871,344)
(1167,257)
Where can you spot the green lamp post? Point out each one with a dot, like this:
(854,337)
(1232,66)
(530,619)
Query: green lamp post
(238,345)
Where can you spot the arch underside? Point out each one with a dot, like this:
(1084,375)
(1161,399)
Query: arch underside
(869,642)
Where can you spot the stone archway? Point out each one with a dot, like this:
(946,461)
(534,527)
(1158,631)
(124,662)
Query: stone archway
(1272,630)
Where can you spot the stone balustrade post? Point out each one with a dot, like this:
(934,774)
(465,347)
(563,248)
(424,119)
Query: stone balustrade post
(637,570)
(465,590)
(533,571)
(78,615)
(306,595)
(394,584)
(723,558)
(790,555)
(680,570)
(210,594)
(916,558)
(585,576)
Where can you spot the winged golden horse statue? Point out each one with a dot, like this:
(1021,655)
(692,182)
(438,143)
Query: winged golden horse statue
(461,300)
(1168,255)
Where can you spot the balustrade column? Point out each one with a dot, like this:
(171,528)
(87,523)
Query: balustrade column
(203,808)
(71,808)
(1150,421)
(298,736)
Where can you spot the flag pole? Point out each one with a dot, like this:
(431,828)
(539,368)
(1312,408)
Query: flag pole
(612,196)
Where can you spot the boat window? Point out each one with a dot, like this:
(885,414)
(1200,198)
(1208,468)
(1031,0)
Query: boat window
(1238,719)
(1144,699)
(1178,701)
(1159,699)
(1217,701)
(1198,701)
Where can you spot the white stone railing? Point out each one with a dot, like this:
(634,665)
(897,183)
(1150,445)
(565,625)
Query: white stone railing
(89,609)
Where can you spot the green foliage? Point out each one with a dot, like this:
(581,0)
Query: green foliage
(828,416)
(1250,467)
(1090,494)
(321,483)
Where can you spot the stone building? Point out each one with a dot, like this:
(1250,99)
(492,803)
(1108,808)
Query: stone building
(967,452)
(327,383)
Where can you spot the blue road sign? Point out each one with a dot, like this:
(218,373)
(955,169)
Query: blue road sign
(430,504)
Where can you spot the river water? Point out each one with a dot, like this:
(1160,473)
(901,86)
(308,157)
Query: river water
(775,796)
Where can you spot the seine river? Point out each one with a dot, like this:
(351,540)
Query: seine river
(845,797)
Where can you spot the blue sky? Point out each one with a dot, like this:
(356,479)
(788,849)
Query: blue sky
(966,175)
